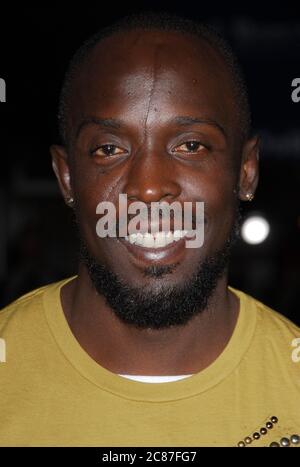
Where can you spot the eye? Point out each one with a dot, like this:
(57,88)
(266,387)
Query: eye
(107,150)
(191,146)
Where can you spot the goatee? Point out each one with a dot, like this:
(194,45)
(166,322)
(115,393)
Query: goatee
(166,305)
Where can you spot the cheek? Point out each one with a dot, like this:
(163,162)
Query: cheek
(216,189)
(211,184)
(221,210)
(88,192)
(94,183)
(91,186)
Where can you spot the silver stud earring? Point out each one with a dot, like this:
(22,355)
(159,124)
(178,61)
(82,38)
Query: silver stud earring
(70,201)
(249,196)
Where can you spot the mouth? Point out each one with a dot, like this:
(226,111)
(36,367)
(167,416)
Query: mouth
(161,247)
(157,240)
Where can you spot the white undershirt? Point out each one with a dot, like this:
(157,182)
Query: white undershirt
(155,379)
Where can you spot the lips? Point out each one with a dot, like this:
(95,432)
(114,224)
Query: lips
(171,252)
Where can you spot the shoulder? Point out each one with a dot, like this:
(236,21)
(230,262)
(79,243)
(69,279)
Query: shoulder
(26,307)
(269,321)
(275,347)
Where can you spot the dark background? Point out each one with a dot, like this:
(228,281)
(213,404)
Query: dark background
(37,239)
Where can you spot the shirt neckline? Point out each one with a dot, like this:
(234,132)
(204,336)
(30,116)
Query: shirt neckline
(136,390)
(155,379)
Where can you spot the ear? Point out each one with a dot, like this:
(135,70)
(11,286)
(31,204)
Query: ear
(249,172)
(61,168)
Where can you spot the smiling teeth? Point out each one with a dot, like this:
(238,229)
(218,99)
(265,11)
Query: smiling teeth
(156,240)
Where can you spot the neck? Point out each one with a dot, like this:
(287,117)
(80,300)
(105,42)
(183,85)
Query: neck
(124,349)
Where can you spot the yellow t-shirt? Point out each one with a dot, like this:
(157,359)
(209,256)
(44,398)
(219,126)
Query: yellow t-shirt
(52,393)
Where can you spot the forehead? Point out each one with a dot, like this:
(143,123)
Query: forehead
(173,72)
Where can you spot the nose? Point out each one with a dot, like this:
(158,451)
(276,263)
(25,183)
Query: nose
(152,178)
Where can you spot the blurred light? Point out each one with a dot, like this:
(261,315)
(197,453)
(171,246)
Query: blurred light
(255,230)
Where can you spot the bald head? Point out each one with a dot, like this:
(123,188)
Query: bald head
(139,52)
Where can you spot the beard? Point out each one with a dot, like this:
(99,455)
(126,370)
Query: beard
(166,305)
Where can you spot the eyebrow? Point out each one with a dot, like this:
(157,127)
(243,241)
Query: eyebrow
(116,124)
(111,123)
(184,121)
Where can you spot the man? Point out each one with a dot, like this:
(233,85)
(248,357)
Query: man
(148,346)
